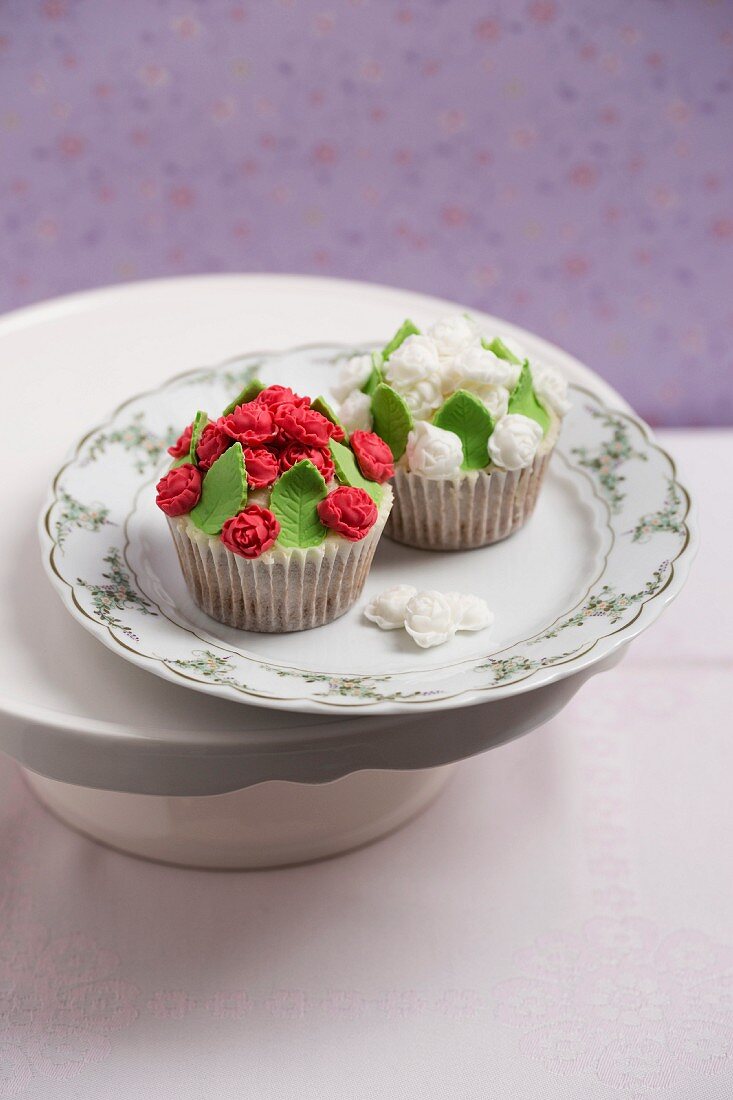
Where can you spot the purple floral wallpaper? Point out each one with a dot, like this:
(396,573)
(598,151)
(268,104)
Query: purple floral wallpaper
(565,163)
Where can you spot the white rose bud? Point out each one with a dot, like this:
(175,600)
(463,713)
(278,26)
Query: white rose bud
(514,442)
(424,398)
(496,400)
(355,413)
(415,360)
(433,452)
(352,376)
(389,608)
(429,619)
(551,388)
(476,367)
(452,334)
(469,612)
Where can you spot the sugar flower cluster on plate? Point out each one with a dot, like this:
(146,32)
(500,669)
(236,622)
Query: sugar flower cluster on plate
(274,513)
(470,425)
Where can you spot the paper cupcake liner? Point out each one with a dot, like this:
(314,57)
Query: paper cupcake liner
(284,589)
(463,513)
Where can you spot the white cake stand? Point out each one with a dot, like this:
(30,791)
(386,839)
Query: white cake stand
(145,765)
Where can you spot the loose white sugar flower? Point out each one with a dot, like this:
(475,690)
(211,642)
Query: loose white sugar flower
(452,334)
(433,452)
(496,400)
(551,388)
(469,612)
(389,608)
(429,619)
(423,398)
(415,360)
(475,367)
(352,376)
(355,412)
(514,441)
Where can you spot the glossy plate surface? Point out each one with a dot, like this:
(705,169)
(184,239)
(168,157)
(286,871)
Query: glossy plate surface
(607,547)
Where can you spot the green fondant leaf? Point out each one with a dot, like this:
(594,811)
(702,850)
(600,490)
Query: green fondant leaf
(294,501)
(322,406)
(376,376)
(249,393)
(200,421)
(223,493)
(500,349)
(467,416)
(392,419)
(349,473)
(523,399)
(405,330)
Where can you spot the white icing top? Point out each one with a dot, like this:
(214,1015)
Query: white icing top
(355,412)
(514,441)
(415,360)
(430,618)
(476,367)
(434,452)
(453,334)
(352,376)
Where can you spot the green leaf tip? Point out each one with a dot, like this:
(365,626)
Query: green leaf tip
(466,416)
(392,419)
(349,473)
(200,420)
(294,502)
(249,393)
(407,328)
(523,399)
(376,376)
(500,350)
(223,492)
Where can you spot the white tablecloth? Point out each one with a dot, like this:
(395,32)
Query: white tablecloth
(558,924)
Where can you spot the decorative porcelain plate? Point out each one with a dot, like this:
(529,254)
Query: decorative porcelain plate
(606,549)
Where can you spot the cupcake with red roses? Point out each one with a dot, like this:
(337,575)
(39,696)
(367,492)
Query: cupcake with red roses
(275,513)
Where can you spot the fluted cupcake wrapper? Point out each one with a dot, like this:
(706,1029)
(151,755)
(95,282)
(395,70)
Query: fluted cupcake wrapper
(463,513)
(284,589)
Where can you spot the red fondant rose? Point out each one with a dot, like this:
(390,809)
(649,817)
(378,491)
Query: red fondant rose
(295,452)
(182,445)
(212,444)
(179,490)
(261,465)
(373,455)
(350,511)
(251,532)
(281,395)
(250,424)
(298,424)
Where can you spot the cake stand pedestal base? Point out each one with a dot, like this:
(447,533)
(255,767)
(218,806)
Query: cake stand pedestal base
(269,825)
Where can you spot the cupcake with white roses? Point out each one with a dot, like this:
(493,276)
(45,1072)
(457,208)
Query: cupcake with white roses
(274,512)
(471,427)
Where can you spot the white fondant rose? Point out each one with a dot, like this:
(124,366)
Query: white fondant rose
(352,376)
(514,441)
(551,388)
(424,398)
(496,400)
(429,619)
(477,367)
(469,612)
(389,608)
(433,452)
(452,334)
(415,360)
(355,412)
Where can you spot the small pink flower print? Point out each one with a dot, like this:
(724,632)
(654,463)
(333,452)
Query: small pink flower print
(722,228)
(543,11)
(487,30)
(182,196)
(583,175)
(72,146)
(324,153)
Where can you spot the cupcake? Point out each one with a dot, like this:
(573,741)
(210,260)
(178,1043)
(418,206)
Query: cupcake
(471,426)
(274,512)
